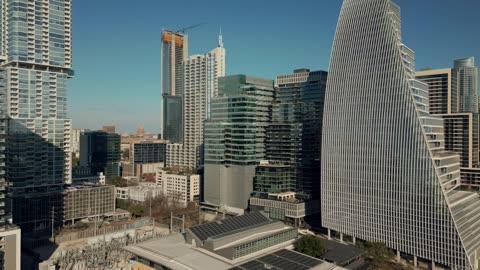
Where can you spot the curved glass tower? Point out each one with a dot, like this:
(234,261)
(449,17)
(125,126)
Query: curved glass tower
(385,173)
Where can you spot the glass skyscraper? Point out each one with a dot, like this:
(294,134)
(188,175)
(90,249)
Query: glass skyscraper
(467,79)
(386,176)
(292,144)
(36,57)
(235,140)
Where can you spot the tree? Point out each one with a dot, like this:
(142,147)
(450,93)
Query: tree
(122,204)
(310,245)
(136,209)
(378,253)
(117,181)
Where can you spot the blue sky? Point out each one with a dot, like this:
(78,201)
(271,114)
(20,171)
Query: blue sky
(116,45)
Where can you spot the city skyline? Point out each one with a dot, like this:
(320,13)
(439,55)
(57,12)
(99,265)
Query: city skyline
(128,87)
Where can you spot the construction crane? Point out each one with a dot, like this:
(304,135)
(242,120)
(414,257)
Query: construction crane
(190,27)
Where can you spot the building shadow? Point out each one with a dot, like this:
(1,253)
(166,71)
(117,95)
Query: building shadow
(36,174)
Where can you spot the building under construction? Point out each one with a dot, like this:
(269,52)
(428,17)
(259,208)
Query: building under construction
(88,200)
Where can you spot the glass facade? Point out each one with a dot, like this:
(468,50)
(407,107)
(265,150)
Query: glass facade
(173,52)
(36,43)
(467,79)
(173,118)
(386,176)
(101,152)
(235,139)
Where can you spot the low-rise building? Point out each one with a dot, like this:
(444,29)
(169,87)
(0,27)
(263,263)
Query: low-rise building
(233,243)
(180,186)
(140,193)
(10,248)
(93,179)
(88,200)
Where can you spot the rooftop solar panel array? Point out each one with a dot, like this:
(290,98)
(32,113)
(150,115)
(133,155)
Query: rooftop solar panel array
(281,260)
(205,231)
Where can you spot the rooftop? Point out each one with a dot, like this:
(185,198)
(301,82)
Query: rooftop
(173,252)
(285,259)
(339,253)
(229,226)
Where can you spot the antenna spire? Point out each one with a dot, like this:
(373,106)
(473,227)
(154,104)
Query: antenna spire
(220,39)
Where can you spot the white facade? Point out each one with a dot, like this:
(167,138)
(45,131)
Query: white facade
(386,176)
(10,244)
(139,194)
(76,139)
(183,188)
(201,73)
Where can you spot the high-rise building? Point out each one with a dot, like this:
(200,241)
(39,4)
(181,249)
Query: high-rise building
(386,176)
(100,151)
(461,126)
(173,52)
(36,62)
(467,79)
(293,140)
(235,140)
(201,73)
(76,132)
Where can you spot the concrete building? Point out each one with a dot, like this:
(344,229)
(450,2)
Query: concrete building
(173,52)
(88,200)
(76,132)
(101,152)
(108,129)
(181,187)
(144,153)
(236,243)
(138,194)
(200,76)
(10,248)
(99,179)
(36,63)
(386,176)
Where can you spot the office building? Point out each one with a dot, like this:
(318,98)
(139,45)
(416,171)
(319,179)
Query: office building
(179,186)
(386,176)
(235,140)
(145,153)
(10,248)
(101,152)
(201,73)
(292,148)
(251,241)
(447,88)
(36,63)
(467,79)
(173,52)
(442,90)
(88,200)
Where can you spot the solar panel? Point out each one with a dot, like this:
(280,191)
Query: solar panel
(281,260)
(203,232)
